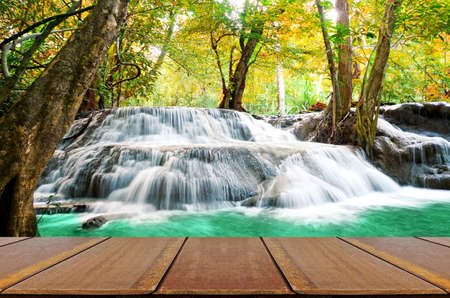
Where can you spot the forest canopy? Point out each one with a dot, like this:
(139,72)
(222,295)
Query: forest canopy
(61,58)
(187,52)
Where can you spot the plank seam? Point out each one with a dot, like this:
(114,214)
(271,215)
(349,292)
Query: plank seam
(277,266)
(17,241)
(430,241)
(170,266)
(386,261)
(51,266)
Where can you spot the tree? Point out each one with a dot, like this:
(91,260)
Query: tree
(249,32)
(132,67)
(369,107)
(33,126)
(345,57)
(366,116)
(38,38)
(336,100)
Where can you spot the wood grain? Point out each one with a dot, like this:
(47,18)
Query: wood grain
(328,266)
(439,240)
(427,260)
(224,266)
(25,258)
(8,240)
(118,266)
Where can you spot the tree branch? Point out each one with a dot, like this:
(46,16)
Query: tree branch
(6,48)
(44,21)
(219,64)
(254,59)
(10,82)
(120,62)
(230,71)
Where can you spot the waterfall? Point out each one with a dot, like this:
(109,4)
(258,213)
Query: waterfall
(428,153)
(203,159)
(180,126)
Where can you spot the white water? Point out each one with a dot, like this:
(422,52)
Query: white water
(430,155)
(143,160)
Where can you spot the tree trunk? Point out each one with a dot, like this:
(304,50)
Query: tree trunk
(239,76)
(345,59)
(336,99)
(367,112)
(240,73)
(36,122)
(280,89)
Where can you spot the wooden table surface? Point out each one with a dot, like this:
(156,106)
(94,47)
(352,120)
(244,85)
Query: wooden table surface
(421,258)
(19,260)
(117,266)
(8,240)
(224,266)
(439,240)
(329,266)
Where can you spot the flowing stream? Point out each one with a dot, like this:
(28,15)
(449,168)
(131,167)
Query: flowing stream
(189,171)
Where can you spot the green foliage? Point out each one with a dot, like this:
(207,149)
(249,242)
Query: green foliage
(418,65)
(301,93)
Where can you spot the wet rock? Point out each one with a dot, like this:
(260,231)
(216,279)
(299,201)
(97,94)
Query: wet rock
(250,202)
(412,158)
(94,223)
(303,124)
(82,130)
(281,121)
(412,144)
(99,220)
(258,201)
(306,127)
(430,119)
(57,158)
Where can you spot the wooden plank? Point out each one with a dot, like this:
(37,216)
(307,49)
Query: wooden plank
(8,240)
(223,266)
(25,258)
(439,240)
(427,260)
(118,266)
(329,266)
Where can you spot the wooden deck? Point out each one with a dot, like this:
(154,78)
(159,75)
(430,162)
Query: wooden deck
(224,266)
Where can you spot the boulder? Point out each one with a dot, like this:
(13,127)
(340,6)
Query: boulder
(94,222)
(430,119)
(99,220)
(412,158)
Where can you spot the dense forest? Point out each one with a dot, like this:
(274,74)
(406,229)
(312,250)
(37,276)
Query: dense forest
(276,57)
(167,52)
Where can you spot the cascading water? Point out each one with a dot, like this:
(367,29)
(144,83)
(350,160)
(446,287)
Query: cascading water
(429,155)
(198,160)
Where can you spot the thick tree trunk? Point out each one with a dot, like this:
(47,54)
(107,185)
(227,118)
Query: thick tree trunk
(367,112)
(240,73)
(237,90)
(345,59)
(33,127)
